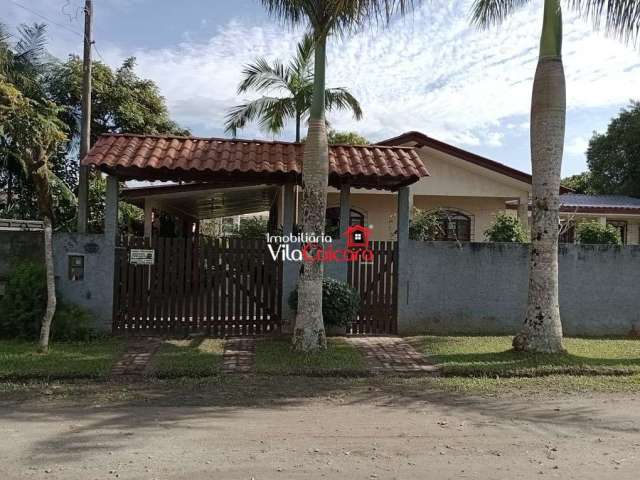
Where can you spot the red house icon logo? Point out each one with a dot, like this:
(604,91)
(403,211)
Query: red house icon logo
(358,236)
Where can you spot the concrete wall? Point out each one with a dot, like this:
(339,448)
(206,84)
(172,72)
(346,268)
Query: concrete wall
(17,246)
(95,291)
(481,288)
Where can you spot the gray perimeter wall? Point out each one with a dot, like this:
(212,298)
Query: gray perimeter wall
(93,293)
(481,288)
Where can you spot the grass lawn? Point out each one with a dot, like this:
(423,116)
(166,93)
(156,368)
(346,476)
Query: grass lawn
(492,356)
(21,360)
(275,357)
(197,357)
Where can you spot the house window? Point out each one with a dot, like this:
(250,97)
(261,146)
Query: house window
(621,226)
(567,232)
(332,226)
(454,226)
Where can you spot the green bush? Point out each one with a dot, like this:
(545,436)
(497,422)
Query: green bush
(597,233)
(425,226)
(23,306)
(24,301)
(506,228)
(253,227)
(340,302)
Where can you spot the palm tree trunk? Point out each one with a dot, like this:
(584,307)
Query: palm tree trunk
(45,329)
(297,126)
(542,330)
(309,334)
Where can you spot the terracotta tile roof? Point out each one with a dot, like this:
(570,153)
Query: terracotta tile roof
(189,158)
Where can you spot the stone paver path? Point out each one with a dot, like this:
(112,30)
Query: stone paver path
(392,355)
(239,355)
(137,357)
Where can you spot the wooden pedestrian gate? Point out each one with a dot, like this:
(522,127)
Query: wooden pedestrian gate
(221,287)
(376,282)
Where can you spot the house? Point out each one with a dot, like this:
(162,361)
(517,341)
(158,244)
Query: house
(468,190)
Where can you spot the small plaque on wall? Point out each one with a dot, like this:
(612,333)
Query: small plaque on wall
(142,256)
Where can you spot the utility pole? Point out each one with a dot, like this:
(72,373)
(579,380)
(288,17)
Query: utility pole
(85,126)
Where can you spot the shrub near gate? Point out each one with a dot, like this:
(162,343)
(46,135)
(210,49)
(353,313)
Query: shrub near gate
(340,303)
(23,304)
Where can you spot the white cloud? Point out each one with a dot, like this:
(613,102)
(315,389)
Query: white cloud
(577,146)
(430,72)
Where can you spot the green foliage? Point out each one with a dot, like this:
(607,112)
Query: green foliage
(346,138)
(579,183)
(253,227)
(121,101)
(295,80)
(23,305)
(425,226)
(340,302)
(598,233)
(506,228)
(613,157)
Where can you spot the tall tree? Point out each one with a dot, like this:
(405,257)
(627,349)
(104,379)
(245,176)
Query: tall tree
(323,18)
(614,157)
(36,133)
(296,81)
(579,183)
(542,328)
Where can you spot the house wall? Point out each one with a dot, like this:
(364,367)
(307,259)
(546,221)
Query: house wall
(451,176)
(481,210)
(481,288)
(380,210)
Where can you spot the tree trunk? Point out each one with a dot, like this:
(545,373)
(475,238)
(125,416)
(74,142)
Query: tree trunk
(45,329)
(297,126)
(542,330)
(309,334)
(43,192)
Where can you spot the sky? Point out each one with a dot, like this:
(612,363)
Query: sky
(430,71)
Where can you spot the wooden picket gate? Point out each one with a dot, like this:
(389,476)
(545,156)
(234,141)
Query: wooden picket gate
(221,287)
(376,282)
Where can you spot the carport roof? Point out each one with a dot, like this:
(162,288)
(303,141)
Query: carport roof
(234,162)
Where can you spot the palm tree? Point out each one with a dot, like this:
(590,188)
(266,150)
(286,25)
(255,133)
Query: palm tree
(296,79)
(323,18)
(21,64)
(542,328)
(31,133)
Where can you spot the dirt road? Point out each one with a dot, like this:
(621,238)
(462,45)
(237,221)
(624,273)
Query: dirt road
(339,432)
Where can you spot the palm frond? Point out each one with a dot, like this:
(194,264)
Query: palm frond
(487,13)
(621,18)
(337,16)
(302,63)
(30,47)
(260,110)
(262,77)
(341,99)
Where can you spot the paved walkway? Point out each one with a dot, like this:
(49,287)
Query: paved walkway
(137,357)
(239,355)
(392,355)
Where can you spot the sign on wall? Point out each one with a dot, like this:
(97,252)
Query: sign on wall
(142,256)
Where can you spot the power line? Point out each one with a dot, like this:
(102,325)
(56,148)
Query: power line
(53,22)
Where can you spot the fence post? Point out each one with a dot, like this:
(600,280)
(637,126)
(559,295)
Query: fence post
(402,251)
